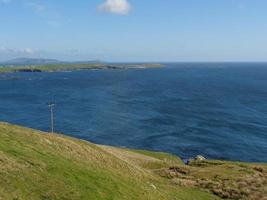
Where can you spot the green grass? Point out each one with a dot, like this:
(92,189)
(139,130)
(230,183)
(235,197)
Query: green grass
(37,165)
(160,155)
(71,67)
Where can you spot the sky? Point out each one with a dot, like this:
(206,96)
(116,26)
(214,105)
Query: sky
(134,30)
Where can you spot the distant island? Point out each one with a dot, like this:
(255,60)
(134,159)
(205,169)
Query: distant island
(52,65)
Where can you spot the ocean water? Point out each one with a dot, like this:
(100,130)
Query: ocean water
(218,110)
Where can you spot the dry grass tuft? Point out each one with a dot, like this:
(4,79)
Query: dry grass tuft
(228,180)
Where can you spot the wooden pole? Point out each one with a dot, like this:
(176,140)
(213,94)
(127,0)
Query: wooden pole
(51,106)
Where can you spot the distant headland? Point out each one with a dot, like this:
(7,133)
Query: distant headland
(53,65)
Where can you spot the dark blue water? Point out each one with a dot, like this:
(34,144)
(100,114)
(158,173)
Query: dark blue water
(216,110)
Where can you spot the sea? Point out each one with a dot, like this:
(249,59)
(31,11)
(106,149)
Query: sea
(218,110)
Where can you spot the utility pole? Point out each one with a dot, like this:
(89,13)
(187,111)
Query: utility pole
(51,105)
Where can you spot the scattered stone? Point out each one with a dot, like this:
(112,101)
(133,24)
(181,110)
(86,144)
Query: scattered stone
(153,186)
(200,158)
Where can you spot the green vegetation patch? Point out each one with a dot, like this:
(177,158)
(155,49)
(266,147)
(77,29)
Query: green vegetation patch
(37,165)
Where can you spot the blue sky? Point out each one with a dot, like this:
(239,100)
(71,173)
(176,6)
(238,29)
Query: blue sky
(134,30)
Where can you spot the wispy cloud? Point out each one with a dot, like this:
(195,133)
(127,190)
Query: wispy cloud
(37,7)
(26,51)
(49,16)
(121,7)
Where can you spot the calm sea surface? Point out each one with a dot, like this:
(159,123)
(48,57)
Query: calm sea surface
(216,110)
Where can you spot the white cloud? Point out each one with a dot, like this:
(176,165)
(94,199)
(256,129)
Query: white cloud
(27,51)
(121,7)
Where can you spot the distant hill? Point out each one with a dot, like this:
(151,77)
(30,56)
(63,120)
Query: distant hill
(41,61)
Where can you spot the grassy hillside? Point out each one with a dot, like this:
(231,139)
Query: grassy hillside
(37,165)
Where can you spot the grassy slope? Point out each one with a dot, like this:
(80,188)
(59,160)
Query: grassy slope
(37,165)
